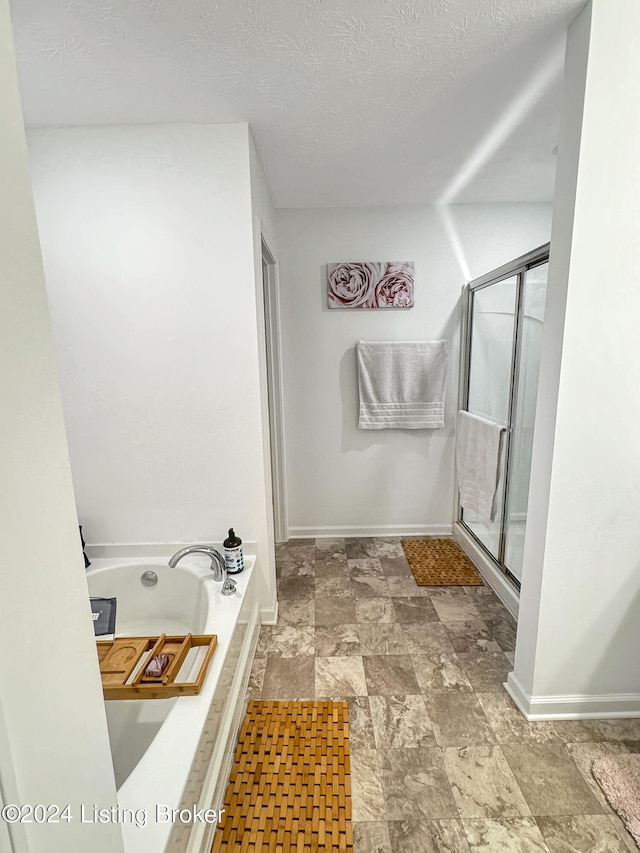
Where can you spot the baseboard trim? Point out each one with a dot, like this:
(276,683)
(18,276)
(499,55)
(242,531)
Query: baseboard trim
(519,695)
(498,582)
(347,531)
(269,614)
(584,707)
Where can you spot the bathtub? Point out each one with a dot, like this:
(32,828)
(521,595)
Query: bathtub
(174,754)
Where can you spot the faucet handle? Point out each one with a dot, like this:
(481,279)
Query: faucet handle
(228,587)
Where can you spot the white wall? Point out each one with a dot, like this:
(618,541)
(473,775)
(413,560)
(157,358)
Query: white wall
(578,637)
(147,236)
(261,198)
(342,479)
(54,746)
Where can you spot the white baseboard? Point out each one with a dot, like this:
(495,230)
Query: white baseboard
(499,583)
(347,531)
(269,614)
(584,707)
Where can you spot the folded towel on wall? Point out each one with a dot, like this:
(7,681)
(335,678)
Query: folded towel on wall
(478,456)
(402,384)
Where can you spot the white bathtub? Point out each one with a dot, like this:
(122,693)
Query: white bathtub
(158,746)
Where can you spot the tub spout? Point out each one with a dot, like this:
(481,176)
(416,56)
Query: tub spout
(217,565)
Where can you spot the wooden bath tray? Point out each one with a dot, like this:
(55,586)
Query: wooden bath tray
(120,658)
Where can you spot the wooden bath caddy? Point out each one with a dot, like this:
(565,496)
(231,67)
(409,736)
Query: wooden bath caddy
(119,658)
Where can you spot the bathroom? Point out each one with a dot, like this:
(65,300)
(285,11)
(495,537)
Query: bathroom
(141,421)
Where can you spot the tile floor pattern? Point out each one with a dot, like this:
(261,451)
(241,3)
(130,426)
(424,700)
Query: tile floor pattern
(441,760)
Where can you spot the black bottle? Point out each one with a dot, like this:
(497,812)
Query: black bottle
(233,557)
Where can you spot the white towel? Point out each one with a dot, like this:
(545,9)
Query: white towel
(402,384)
(478,454)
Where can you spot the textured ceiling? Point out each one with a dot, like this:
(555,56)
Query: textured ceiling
(351,102)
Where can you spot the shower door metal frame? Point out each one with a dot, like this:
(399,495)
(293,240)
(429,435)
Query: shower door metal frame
(519,268)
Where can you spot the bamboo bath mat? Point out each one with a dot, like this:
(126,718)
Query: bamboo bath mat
(290,787)
(440,562)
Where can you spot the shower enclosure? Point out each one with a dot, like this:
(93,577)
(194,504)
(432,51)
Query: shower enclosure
(503,315)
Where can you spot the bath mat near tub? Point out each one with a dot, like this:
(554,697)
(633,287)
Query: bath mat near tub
(440,562)
(290,785)
(619,778)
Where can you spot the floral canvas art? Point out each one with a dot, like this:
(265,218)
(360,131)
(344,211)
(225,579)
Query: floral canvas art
(386,284)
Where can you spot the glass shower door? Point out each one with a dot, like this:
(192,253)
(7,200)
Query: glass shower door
(502,344)
(530,344)
(493,325)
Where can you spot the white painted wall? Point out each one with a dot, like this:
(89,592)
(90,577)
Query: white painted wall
(54,746)
(578,636)
(342,479)
(261,198)
(148,247)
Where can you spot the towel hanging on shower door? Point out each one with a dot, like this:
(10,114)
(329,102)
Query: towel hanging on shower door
(478,455)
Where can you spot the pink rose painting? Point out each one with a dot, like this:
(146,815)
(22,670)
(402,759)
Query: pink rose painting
(387,284)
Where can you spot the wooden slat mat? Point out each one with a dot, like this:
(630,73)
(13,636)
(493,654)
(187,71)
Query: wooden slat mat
(290,787)
(440,562)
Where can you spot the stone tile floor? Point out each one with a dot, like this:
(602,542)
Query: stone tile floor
(441,760)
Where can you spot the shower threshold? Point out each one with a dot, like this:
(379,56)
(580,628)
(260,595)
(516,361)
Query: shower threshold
(504,584)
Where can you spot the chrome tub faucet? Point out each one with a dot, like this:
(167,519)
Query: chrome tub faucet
(218,566)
